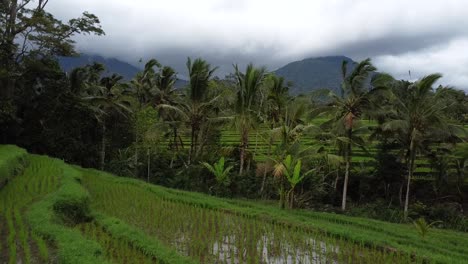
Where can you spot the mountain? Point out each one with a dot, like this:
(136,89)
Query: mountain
(315,73)
(112,65)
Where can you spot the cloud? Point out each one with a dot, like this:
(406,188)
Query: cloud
(267,32)
(450,59)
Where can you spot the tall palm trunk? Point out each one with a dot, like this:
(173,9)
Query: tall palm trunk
(148,155)
(265,168)
(347,169)
(193,143)
(243,148)
(176,144)
(135,171)
(410,175)
(103,146)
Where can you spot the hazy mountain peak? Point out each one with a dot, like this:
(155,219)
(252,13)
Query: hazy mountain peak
(315,73)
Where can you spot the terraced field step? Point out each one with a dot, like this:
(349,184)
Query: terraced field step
(18,242)
(211,230)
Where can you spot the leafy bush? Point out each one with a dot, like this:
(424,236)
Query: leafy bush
(72,203)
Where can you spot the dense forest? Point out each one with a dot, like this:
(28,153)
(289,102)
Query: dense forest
(380,147)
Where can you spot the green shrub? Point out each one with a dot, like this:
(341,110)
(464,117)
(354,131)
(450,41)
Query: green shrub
(71,201)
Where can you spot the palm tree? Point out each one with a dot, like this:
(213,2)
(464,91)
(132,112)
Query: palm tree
(165,80)
(248,84)
(349,108)
(143,83)
(198,105)
(278,93)
(277,98)
(418,116)
(105,97)
(167,98)
(143,86)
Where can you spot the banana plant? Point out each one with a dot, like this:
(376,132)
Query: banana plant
(217,169)
(292,172)
(423,227)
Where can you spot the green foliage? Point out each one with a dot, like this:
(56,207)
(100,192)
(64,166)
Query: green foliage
(31,33)
(72,203)
(200,73)
(149,246)
(219,171)
(292,172)
(376,235)
(423,227)
(40,179)
(12,162)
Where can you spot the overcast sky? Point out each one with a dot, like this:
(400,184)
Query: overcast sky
(424,36)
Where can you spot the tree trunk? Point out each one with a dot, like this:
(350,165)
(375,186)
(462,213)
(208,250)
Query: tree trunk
(243,148)
(345,184)
(7,92)
(193,143)
(335,183)
(265,167)
(176,144)
(410,175)
(191,146)
(103,146)
(135,171)
(148,153)
(347,169)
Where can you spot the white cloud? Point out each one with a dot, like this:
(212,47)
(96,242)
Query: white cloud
(450,59)
(270,32)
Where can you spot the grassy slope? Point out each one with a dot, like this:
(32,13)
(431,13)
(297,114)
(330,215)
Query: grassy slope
(12,161)
(441,245)
(39,207)
(56,198)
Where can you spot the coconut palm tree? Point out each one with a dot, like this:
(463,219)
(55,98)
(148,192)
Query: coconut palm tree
(164,81)
(278,95)
(197,105)
(143,86)
(105,97)
(248,84)
(417,121)
(167,98)
(349,108)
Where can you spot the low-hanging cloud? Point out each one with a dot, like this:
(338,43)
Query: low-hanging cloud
(275,32)
(450,57)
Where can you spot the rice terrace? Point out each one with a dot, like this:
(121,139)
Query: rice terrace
(150,132)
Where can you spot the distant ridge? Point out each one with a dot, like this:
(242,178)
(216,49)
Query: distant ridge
(315,73)
(113,65)
(127,70)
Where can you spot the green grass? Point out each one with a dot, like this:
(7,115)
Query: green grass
(173,216)
(12,162)
(51,211)
(37,180)
(53,216)
(118,251)
(45,217)
(152,248)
